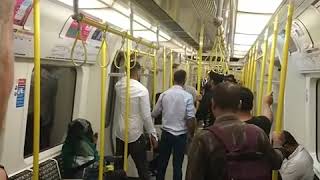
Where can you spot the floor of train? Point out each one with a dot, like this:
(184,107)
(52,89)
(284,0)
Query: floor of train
(169,173)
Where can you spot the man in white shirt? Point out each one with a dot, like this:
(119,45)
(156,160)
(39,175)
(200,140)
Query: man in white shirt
(178,119)
(298,164)
(139,118)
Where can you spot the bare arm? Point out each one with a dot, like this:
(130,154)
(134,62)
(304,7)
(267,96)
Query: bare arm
(273,154)
(6,55)
(3,174)
(190,117)
(157,110)
(146,115)
(266,107)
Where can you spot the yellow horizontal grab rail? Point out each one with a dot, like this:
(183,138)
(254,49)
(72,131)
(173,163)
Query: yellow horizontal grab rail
(142,53)
(91,22)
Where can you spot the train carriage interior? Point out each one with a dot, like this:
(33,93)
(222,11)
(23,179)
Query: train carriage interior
(84,47)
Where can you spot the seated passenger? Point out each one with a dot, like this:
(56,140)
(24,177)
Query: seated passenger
(231,149)
(298,164)
(246,106)
(79,149)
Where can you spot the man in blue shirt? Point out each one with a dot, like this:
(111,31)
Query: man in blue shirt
(178,119)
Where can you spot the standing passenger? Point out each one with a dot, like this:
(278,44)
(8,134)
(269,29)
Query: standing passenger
(231,149)
(246,106)
(6,61)
(298,164)
(139,117)
(178,118)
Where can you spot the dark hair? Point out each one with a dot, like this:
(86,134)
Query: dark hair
(208,86)
(78,129)
(230,78)
(246,97)
(134,67)
(215,77)
(289,139)
(227,96)
(180,77)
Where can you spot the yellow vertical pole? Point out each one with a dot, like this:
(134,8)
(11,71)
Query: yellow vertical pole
(283,75)
(127,114)
(248,69)
(272,54)
(171,68)
(164,63)
(102,106)
(188,72)
(251,67)
(37,66)
(154,77)
(254,72)
(243,75)
(200,59)
(262,71)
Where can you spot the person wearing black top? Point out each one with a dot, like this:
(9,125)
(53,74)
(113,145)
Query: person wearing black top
(204,111)
(244,114)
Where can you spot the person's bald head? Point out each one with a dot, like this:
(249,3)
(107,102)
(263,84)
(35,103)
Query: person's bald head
(226,97)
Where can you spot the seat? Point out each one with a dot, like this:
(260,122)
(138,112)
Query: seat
(24,175)
(48,170)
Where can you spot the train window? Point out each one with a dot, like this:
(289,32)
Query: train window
(57,99)
(318,119)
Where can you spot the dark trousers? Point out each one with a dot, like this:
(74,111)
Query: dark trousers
(138,152)
(171,144)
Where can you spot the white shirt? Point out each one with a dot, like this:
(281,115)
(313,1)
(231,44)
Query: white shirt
(140,113)
(176,106)
(299,166)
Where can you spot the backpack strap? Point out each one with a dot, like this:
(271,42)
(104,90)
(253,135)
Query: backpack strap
(250,134)
(222,137)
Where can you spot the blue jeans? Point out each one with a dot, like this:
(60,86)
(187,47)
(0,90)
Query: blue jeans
(171,144)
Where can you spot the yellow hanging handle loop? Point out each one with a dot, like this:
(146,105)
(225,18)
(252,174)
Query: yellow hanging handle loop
(104,47)
(79,36)
(136,51)
(117,53)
